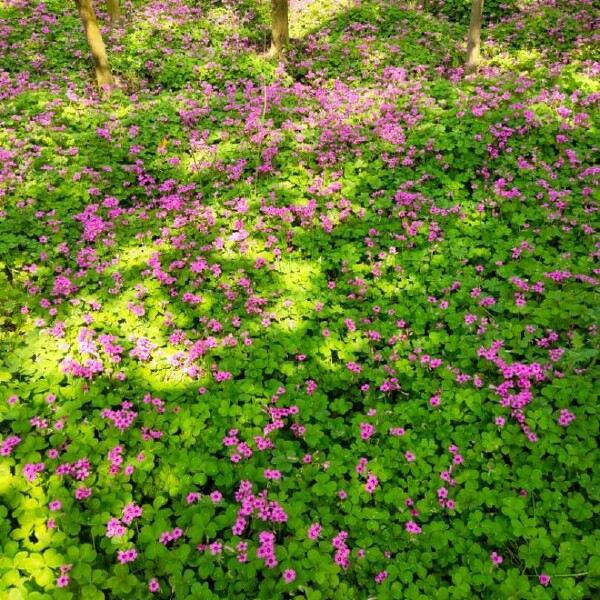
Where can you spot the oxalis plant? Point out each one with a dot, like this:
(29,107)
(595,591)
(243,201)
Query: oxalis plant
(320,325)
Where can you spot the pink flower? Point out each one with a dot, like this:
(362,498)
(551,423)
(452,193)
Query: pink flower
(271,561)
(216,496)
(55,505)
(496,558)
(366,431)
(314,531)
(126,556)
(412,527)
(565,417)
(192,497)
(397,431)
(544,579)
(372,483)
(165,537)
(114,528)
(62,581)
(81,493)
(153,586)
(131,512)
(289,575)
(30,470)
(380,577)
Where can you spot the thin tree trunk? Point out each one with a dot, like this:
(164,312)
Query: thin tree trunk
(94,37)
(114,10)
(280,34)
(474,40)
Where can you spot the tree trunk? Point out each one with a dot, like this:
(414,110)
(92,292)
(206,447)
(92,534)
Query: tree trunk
(280,34)
(474,41)
(114,10)
(94,37)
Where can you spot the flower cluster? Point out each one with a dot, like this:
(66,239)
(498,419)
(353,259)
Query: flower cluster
(314,531)
(30,470)
(114,528)
(366,431)
(131,512)
(413,528)
(63,578)
(372,483)
(9,444)
(266,549)
(170,536)
(126,556)
(342,553)
(122,419)
(565,417)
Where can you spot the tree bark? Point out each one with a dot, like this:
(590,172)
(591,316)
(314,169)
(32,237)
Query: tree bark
(280,34)
(474,39)
(114,10)
(94,37)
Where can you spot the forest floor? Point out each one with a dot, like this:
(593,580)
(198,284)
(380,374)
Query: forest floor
(321,327)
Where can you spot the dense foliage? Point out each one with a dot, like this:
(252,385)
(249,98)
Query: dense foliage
(324,328)
(459,10)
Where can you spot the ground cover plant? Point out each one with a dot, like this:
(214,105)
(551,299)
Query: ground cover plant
(317,326)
